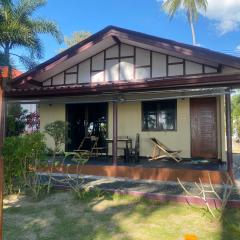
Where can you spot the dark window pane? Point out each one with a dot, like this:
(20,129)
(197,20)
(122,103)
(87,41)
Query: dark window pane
(167,115)
(150,121)
(159,115)
(166,120)
(150,115)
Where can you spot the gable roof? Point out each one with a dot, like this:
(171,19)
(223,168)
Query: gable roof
(129,36)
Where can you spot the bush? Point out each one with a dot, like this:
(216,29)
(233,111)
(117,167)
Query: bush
(16,120)
(19,153)
(58,131)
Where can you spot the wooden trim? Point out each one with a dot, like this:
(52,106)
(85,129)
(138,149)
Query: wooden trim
(2,136)
(163,83)
(114,58)
(96,71)
(229,132)
(69,73)
(34,82)
(221,132)
(151,65)
(104,65)
(134,63)
(184,67)
(77,73)
(175,63)
(90,70)
(143,66)
(119,60)
(115,132)
(167,70)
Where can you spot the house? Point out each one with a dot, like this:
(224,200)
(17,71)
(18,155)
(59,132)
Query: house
(130,82)
(15,73)
(4,72)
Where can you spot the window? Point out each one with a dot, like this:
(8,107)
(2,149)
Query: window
(159,115)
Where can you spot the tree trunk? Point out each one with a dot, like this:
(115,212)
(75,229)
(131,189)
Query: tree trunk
(190,19)
(7,55)
(2,134)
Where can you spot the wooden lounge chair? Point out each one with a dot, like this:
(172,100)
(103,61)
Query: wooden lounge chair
(162,151)
(135,152)
(87,145)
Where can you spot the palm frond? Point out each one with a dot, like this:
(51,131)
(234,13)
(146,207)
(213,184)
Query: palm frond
(18,28)
(47,27)
(28,7)
(6,4)
(28,62)
(171,6)
(191,6)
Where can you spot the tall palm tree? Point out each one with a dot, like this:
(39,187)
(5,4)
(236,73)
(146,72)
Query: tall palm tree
(19,29)
(192,8)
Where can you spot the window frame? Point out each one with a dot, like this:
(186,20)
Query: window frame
(158,129)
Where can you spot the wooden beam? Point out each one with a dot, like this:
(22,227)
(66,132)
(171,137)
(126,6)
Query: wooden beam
(115,132)
(229,132)
(116,40)
(165,83)
(2,134)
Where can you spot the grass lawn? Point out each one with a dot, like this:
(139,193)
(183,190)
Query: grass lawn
(60,216)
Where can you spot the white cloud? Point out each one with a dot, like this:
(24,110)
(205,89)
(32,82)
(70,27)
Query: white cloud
(238,48)
(225,13)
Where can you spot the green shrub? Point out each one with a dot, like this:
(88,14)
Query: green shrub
(16,120)
(58,131)
(19,153)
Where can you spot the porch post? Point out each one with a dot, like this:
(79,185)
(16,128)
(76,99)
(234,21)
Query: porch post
(229,132)
(2,134)
(115,133)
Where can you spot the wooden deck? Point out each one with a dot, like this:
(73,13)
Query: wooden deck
(156,171)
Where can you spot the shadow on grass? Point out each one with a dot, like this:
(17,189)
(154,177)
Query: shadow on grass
(107,216)
(100,215)
(68,218)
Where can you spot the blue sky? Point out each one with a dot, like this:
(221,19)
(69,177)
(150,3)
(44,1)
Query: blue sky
(218,29)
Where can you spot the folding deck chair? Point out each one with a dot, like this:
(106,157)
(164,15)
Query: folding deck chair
(87,145)
(162,151)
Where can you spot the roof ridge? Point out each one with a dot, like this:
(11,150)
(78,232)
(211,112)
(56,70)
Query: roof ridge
(200,51)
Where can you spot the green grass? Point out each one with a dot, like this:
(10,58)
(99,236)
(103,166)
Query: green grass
(60,216)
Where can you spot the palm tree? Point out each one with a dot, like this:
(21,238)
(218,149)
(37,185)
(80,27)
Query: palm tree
(75,38)
(19,29)
(192,8)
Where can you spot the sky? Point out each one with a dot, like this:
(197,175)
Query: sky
(217,29)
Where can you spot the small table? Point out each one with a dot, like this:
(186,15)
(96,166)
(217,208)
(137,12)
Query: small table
(128,144)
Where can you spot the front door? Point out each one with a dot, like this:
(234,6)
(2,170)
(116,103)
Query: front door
(86,120)
(203,127)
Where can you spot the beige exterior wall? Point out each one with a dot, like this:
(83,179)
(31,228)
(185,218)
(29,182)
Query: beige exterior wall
(130,123)
(48,114)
